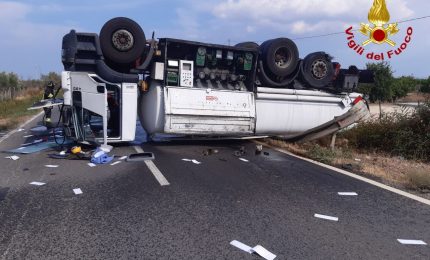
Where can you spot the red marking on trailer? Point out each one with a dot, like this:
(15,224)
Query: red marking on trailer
(211,98)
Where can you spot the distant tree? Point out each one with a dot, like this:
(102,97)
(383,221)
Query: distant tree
(51,76)
(403,85)
(381,90)
(425,85)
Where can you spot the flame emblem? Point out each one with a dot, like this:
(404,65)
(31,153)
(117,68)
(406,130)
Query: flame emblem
(379,32)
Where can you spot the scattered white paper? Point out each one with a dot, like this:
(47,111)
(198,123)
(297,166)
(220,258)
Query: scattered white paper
(411,242)
(242,246)
(187,160)
(115,163)
(196,162)
(20,130)
(358,160)
(243,159)
(263,252)
(123,158)
(77,191)
(13,157)
(51,166)
(27,136)
(347,194)
(63,153)
(326,217)
(37,183)
(92,164)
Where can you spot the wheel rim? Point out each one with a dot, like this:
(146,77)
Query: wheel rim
(282,57)
(122,40)
(319,69)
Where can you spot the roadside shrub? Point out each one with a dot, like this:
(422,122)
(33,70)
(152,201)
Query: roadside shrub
(419,180)
(403,133)
(321,154)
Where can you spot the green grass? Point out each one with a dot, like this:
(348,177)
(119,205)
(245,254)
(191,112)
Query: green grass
(14,112)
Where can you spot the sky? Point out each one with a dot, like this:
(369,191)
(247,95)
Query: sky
(32,31)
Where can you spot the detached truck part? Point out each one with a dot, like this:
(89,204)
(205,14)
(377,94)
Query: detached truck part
(198,89)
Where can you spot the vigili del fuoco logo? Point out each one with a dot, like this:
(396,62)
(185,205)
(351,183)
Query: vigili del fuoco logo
(378,32)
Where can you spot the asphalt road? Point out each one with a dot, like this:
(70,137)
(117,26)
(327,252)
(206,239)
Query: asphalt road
(124,212)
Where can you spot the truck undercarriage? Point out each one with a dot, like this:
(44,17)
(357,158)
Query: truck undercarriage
(198,89)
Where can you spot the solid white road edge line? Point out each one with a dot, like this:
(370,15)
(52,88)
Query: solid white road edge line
(411,242)
(352,175)
(153,168)
(6,136)
(326,217)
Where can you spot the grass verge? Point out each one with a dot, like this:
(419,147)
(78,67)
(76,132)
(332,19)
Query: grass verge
(14,112)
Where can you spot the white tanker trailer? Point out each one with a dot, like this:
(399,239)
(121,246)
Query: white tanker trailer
(197,89)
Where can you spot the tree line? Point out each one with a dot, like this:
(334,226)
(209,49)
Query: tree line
(11,85)
(388,88)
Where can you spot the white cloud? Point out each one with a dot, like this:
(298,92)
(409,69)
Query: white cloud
(303,16)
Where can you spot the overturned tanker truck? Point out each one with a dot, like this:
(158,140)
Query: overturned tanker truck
(198,89)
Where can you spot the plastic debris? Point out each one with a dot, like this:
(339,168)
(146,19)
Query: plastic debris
(115,163)
(122,158)
(243,160)
(36,183)
(196,162)
(347,194)
(77,191)
(101,157)
(266,153)
(186,160)
(51,166)
(27,136)
(357,160)
(258,149)
(210,152)
(20,130)
(326,217)
(411,242)
(13,157)
(92,164)
(259,250)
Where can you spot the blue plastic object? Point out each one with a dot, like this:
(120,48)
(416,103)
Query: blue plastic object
(100,157)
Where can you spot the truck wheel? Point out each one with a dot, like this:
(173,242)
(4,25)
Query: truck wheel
(280,56)
(317,70)
(249,45)
(122,40)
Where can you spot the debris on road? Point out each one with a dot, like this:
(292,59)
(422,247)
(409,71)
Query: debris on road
(326,217)
(100,157)
(36,183)
(240,152)
(27,136)
(411,242)
(92,165)
(258,149)
(122,158)
(115,163)
(51,166)
(347,194)
(266,153)
(143,156)
(13,157)
(20,130)
(243,160)
(210,152)
(196,162)
(259,250)
(357,160)
(77,191)
(186,160)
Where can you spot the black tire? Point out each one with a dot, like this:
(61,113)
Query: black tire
(248,45)
(280,56)
(129,42)
(317,70)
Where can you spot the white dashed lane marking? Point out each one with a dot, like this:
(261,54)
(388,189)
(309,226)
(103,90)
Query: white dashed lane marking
(153,168)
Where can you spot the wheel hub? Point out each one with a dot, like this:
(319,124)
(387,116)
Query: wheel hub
(122,40)
(319,69)
(281,57)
